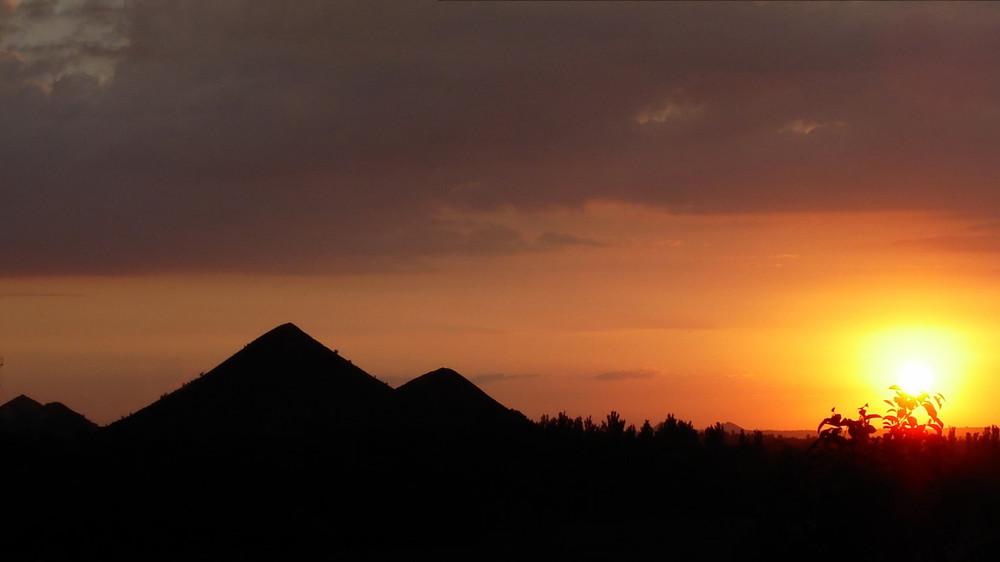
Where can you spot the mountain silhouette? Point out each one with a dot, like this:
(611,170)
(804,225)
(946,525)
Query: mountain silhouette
(446,400)
(284,383)
(23,415)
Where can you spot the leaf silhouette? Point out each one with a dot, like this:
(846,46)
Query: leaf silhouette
(930,409)
(900,419)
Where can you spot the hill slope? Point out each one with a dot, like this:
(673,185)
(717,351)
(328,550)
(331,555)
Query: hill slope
(283,383)
(446,400)
(23,415)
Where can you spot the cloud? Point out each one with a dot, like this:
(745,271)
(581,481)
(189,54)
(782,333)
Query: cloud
(809,126)
(626,375)
(549,240)
(982,237)
(35,295)
(668,112)
(319,137)
(955,243)
(492,378)
(55,39)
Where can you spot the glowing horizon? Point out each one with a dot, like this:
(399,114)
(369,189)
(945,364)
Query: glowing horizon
(744,212)
(585,330)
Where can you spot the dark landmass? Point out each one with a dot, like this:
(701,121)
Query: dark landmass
(26,418)
(288,450)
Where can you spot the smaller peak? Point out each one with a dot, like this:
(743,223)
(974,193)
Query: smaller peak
(58,406)
(65,412)
(444,372)
(731,427)
(439,378)
(444,375)
(22,401)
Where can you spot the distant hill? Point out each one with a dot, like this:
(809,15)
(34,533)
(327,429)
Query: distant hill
(284,383)
(731,427)
(25,416)
(445,399)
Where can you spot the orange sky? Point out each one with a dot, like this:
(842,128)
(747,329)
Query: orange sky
(736,211)
(765,321)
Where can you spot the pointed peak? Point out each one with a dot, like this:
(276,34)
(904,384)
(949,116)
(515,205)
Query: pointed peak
(22,402)
(285,335)
(285,330)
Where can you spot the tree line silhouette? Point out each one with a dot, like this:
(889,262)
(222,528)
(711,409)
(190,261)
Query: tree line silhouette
(565,484)
(257,459)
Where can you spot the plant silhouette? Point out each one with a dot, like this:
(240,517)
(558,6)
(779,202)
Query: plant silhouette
(901,421)
(858,429)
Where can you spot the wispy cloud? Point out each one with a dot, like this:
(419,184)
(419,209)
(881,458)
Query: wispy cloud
(33,295)
(550,240)
(809,126)
(491,378)
(629,374)
(955,243)
(669,111)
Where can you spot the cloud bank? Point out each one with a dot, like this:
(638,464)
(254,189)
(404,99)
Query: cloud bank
(317,136)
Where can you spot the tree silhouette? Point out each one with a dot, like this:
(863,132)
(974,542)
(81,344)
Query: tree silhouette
(614,424)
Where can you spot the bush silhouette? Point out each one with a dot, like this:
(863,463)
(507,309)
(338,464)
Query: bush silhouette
(901,421)
(858,429)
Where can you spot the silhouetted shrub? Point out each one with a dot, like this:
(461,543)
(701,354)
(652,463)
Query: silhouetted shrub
(858,429)
(901,421)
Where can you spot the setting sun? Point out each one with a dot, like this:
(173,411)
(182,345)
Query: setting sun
(916,358)
(915,377)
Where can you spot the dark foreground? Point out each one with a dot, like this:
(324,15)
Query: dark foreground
(241,464)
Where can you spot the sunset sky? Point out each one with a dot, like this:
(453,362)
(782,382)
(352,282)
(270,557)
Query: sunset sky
(743,212)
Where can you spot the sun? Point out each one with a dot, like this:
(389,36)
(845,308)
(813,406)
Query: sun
(916,358)
(915,376)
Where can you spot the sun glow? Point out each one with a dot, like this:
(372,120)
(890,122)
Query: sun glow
(917,359)
(915,377)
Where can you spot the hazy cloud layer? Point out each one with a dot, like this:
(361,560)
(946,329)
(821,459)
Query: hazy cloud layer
(316,136)
(625,375)
(491,378)
(976,239)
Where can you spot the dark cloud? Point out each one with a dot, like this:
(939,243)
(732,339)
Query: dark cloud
(318,136)
(30,295)
(626,375)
